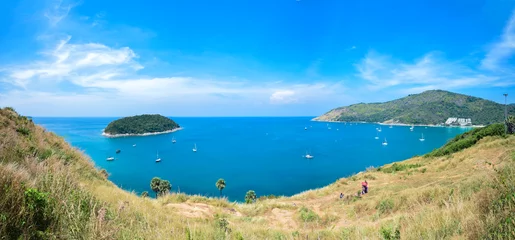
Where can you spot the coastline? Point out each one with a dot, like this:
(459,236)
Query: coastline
(139,134)
(398,124)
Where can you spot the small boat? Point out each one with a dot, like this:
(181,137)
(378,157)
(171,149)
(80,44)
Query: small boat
(308,156)
(195,148)
(133,145)
(385,142)
(173,140)
(118,151)
(391,126)
(411,128)
(377,136)
(337,129)
(158,159)
(110,158)
(305,128)
(379,129)
(422,138)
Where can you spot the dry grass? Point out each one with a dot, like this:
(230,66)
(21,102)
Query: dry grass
(435,198)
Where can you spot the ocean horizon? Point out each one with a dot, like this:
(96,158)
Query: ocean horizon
(264,154)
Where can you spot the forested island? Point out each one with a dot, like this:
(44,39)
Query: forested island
(141,125)
(432,107)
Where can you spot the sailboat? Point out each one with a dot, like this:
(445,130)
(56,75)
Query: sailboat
(195,148)
(385,142)
(422,138)
(158,159)
(379,129)
(308,156)
(173,140)
(411,128)
(110,158)
(133,145)
(377,136)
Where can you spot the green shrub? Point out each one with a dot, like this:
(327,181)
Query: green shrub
(397,167)
(307,215)
(23,130)
(385,206)
(468,139)
(390,232)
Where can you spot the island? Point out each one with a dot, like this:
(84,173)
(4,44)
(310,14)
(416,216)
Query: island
(140,125)
(429,108)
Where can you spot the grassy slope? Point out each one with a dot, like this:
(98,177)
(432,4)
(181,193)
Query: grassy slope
(435,197)
(430,107)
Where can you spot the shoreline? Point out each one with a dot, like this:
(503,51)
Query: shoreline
(398,124)
(138,134)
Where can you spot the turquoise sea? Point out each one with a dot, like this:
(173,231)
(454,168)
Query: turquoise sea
(264,154)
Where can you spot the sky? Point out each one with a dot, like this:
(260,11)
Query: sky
(248,58)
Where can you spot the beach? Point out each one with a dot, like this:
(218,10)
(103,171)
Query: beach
(138,135)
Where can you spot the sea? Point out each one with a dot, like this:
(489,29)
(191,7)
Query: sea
(264,154)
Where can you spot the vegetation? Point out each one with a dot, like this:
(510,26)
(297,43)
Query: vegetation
(250,196)
(50,190)
(220,184)
(468,139)
(429,107)
(159,186)
(141,124)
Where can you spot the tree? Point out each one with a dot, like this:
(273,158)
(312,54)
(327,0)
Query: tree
(164,187)
(250,197)
(220,184)
(144,194)
(154,185)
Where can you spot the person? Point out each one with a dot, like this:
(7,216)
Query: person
(364,187)
(341,195)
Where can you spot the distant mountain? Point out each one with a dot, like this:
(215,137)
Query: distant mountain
(429,107)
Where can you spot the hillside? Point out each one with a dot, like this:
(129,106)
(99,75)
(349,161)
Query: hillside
(430,107)
(52,191)
(140,125)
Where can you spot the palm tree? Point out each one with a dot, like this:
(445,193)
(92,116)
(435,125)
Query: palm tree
(220,184)
(164,187)
(154,185)
(250,197)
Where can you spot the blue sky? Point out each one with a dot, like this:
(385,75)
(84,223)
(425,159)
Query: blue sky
(247,58)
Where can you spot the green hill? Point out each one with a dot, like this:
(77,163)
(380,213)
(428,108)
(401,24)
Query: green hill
(141,124)
(429,107)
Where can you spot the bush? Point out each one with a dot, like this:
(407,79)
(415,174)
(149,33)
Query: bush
(23,130)
(307,215)
(385,206)
(468,139)
(397,167)
(390,232)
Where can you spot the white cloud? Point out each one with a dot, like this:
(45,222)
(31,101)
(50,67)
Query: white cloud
(282,97)
(502,50)
(58,11)
(432,71)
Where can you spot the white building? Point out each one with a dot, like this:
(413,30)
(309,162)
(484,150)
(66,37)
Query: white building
(458,121)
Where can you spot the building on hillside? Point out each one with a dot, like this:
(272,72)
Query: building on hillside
(453,121)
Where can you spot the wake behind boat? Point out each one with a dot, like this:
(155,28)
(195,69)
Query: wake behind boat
(158,159)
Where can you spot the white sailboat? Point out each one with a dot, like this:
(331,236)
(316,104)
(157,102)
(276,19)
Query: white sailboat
(379,129)
(385,142)
(158,159)
(173,140)
(377,136)
(110,158)
(308,156)
(195,148)
(422,138)
(411,128)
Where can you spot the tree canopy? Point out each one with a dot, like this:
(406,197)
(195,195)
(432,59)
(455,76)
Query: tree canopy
(141,124)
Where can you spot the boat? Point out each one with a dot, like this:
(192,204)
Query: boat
(377,136)
(411,128)
(195,148)
(133,145)
(379,129)
(305,128)
(308,156)
(385,142)
(173,140)
(110,158)
(337,129)
(391,126)
(158,159)
(422,138)
(118,151)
